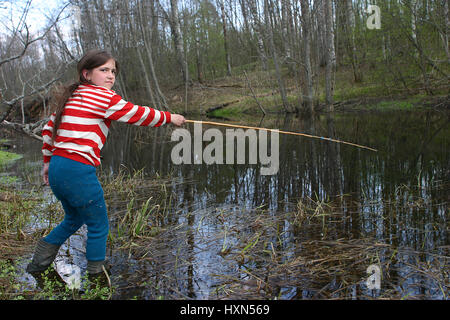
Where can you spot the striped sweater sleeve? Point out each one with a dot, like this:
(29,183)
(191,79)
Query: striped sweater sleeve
(123,111)
(47,147)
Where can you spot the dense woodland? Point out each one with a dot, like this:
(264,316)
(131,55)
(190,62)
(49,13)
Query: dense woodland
(163,45)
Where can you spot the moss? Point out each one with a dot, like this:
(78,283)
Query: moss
(8,157)
(226,112)
(8,180)
(396,104)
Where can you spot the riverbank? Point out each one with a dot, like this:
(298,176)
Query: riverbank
(255,93)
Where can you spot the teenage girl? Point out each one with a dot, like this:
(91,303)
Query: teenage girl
(73,139)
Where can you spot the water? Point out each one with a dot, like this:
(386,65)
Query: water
(311,230)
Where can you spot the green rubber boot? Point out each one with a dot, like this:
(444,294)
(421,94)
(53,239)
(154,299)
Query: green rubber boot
(43,256)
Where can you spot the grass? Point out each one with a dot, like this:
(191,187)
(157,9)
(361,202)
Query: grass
(231,112)
(16,206)
(241,91)
(136,214)
(406,104)
(49,287)
(7,158)
(325,263)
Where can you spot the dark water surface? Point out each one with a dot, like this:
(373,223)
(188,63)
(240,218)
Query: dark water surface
(310,231)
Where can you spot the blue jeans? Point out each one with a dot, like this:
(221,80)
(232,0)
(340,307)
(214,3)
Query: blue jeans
(76,185)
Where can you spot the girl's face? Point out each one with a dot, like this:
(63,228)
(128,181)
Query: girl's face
(104,75)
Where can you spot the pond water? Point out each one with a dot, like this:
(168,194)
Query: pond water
(309,231)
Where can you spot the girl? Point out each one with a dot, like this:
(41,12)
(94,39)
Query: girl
(73,138)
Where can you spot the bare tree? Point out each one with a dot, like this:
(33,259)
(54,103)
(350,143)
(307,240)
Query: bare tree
(268,10)
(88,28)
(147,39)
(350,32)
(225,38)
(306,28)
(330,54)
(444,34)
(174,22)
(27,39)
(134,36)
(26,84)
(259,31)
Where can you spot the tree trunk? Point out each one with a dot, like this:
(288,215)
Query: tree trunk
(331,54)
(174,22)
(198,59)
(306,27)
(321,32)
(350,30)
(444,35)
(285,17)
(413,22)
(162,102)
(225,40)
(89,34)
(138,51)
(258,29)
(269,21)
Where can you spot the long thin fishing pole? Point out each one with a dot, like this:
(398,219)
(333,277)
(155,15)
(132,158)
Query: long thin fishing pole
(279,131)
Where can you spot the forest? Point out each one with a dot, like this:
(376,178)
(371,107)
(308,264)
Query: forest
(305,55)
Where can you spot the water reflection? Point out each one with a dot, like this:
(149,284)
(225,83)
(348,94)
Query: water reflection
(412,151)
(397,196)
(311,230)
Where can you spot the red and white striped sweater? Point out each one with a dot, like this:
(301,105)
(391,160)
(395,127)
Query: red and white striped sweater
(86,120)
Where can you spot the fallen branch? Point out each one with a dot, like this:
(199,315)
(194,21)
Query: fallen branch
(32,130)
(223,105)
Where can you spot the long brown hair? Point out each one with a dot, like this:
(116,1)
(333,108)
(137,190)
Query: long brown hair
(92,59)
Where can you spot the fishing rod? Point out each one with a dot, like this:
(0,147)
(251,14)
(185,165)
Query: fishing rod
(280,131)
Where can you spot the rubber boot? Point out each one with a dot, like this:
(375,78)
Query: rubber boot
(43,256)
(98,273)
(49,277)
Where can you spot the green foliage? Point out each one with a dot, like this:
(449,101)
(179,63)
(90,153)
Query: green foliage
(9,287)
(49,286)
(95,290)
(8,157)
(392,105)
(15,208)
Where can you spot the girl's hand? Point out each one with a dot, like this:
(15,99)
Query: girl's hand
(177,119)
(44,173)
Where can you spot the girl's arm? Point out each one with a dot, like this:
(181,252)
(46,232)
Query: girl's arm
(123,111)
(177,119)
(44,172)
(47,147)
